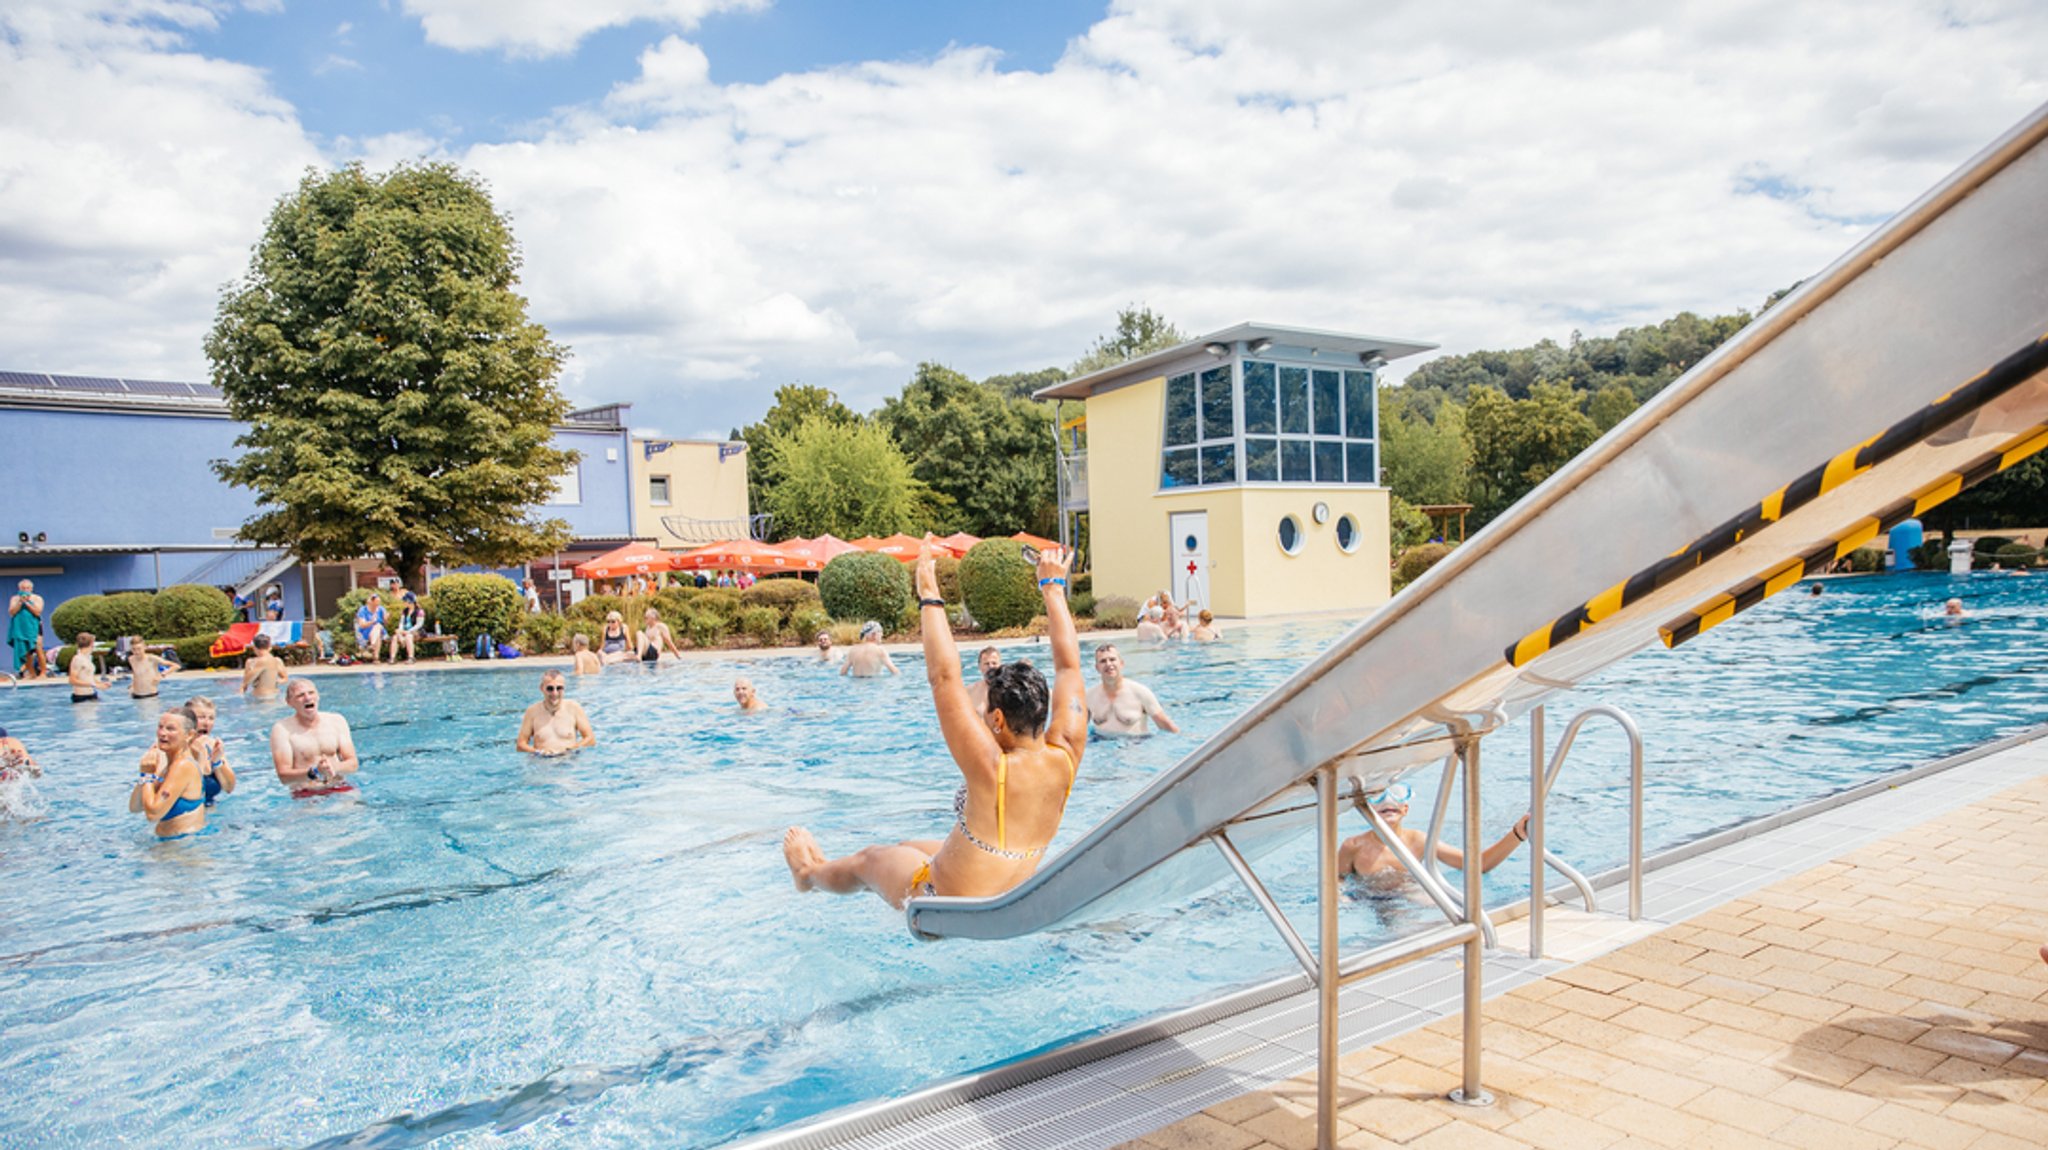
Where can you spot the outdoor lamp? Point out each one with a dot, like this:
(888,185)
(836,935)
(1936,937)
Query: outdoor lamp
(1219,350)
(1372,359)
(1258,345)
(24,538)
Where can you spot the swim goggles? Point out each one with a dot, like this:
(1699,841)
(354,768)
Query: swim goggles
(1398,793)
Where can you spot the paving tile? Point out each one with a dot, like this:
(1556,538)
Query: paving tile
(1200,1132)
(1549,1129)
(1893,1055)
(1729,1107)
(1813,1130)
(1920,1129)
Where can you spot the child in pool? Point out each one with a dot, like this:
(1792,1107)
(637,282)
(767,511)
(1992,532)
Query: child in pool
(216,778)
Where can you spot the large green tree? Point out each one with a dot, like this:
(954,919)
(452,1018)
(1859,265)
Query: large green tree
(1518,443)
(848,479)
(794,403)
(1424,461)
(989,455)
(399,402)
(1139,330)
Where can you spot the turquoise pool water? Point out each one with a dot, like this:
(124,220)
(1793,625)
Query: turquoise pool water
(486,949)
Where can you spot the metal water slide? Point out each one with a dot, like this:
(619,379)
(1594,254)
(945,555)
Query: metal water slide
(1909,369)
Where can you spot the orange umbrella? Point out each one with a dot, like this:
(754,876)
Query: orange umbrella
(1038,541)
(745,554)
(866,542)
(824,548)
(959,541)
(632,559)
(900,546)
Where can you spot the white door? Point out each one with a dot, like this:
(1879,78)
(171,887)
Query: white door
(1190,533)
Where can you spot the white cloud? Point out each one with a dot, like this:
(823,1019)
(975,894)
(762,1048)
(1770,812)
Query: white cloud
(550,27)
(1480,175)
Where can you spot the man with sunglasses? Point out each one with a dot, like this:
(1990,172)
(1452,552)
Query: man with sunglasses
(556,725)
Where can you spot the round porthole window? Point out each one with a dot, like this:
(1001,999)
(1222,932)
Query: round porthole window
(1290,535)
(1347,534)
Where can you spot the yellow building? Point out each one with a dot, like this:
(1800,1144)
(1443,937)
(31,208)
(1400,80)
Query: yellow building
(1239,470)
(689,492)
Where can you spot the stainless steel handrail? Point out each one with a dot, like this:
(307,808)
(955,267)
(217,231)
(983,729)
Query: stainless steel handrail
(1541,778)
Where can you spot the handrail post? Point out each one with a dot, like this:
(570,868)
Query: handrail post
(1469,1092)
(1538,880)
(1326,958)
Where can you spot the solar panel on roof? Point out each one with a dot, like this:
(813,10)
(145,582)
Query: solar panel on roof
(207,391)
(24,379)
(87,383)
(158,387)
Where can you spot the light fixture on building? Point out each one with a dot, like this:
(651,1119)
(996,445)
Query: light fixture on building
(1219,350)
(1372,359)
(42,537)
(24,538)
(1258,345)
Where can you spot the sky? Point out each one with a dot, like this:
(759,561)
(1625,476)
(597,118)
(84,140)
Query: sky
(714,198)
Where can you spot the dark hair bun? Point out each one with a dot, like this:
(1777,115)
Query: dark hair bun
(1019,692)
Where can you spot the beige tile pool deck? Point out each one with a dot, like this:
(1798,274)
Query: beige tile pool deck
(1894,996)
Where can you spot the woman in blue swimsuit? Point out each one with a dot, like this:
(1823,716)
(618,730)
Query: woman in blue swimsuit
(1017,758)
(170,792)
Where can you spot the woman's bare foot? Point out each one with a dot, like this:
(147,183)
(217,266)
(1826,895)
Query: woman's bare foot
(801,852)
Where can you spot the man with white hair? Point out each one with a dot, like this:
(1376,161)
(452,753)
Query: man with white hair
(25,630)
(868,660)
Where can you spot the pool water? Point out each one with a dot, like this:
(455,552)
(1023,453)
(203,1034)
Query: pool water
(483,948)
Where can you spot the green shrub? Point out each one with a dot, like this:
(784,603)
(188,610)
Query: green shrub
(1116,612)
(596,607)
(862,585)
(469,605)
(1081,603)
(196,651)
(192,608)
(705,629)
(74,615)
(723,602)
(588,628)
(341,626)
(763,623)
(999,585)
(1082,584)
(947,569)
(806,622)
(1406,527)
(2018,555)
(129,613)
(1990,544)
(1866,560)
(1416,560)
(1931,555)
(785,595)
(298,654)
(542,634)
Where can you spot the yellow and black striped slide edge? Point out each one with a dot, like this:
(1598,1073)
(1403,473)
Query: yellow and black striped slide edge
(1960,403)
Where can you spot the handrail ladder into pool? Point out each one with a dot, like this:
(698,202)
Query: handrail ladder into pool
(1909,369)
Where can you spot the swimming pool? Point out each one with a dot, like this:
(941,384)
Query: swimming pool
(490,949)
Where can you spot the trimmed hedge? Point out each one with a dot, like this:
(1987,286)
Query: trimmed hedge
(1416,560)
(999,585)
(468,605)
(785,595)
(192,609)
(862,585)
(129,613)
(1866,559)
(947,569)
(1116,612)
(75,615)
(806,622)
(762,623)
(196,651)
(341,626)
(542,634)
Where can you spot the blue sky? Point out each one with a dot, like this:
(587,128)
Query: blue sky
(717,197)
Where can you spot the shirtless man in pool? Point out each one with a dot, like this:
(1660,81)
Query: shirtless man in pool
(556,725)
(263,672)
(314,753)
(1120,706)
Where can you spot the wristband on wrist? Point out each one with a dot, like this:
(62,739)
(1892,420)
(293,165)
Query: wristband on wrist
(939,603)
(1520,834)
(1054,579)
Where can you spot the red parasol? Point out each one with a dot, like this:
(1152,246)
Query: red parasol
(746,555)
(632,559)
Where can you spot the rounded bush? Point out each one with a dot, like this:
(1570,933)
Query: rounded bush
(1116,612)
(862,585)
(542,634)
(74,615)
(596,607)
(1866,559)
(129,613)
(195,651)
(705,628)
(806,622)
(192,609)
(762,623)
(1416,560)
(469,605)
(785,595)
(947,569)
(2017,555)
(999,585)
(1081,603)
(341,626)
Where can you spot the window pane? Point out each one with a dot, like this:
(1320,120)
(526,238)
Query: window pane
(1218,417)
(1180,410)
(1178,469)
(1261,460)
(1294,461)
(1347,533)
(1361,462)
(1260,418)
(1329,461)
(1294,399)
(1358,404)
(1219,465)
(1329,416)
(1290,534)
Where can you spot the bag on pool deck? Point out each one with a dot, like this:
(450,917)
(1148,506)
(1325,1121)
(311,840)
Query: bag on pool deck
(508,651)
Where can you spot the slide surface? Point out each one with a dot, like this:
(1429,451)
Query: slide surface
(1909,369)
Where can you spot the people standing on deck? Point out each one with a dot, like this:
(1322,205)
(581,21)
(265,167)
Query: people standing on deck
(1366,855)
(1018,760)
(312,751)
(532,593)
(146,669)
(169,790)
(83,676)
(655,638)
(988,659)
(556,725)
(25,630)
(262,672)
(216,778)
(582,658)
(1120,706)
(868,660)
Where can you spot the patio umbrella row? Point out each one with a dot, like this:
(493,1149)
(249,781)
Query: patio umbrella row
(752,555)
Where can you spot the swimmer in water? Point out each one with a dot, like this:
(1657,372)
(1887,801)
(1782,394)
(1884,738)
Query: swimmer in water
(743,694)
(312,751)
(556,725)
(1017,760)
(169,791)
(18,796)
(827,653)
(585,660)
(1206,630)
(207,750)
(15,761)
(1953,609)
(146,669)
(987,660)
(1120,706)
(867,659)
(1366,855)
(263,671)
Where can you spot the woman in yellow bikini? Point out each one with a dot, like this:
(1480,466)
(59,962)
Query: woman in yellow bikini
(1017,759)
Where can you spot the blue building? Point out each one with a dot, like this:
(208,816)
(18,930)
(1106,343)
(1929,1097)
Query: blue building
(110,487)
